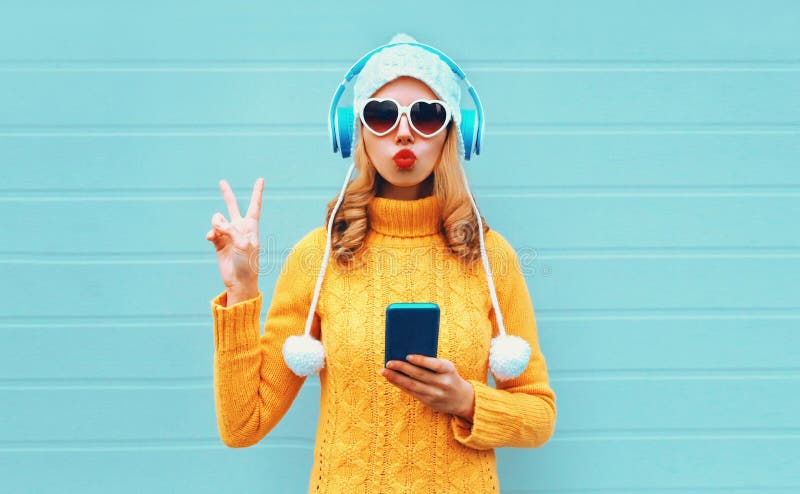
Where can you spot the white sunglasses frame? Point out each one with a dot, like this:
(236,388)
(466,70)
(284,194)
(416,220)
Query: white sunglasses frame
(405,110)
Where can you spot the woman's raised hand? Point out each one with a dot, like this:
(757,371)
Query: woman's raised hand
(237,245)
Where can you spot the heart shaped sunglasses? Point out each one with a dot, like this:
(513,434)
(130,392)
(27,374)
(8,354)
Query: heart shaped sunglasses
(426,116)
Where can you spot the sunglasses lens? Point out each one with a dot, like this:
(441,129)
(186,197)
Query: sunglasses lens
(428,117)
(380,116)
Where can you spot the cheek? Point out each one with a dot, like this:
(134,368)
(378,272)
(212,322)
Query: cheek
(366,141)
(434,148)
(374,146)
(371,149)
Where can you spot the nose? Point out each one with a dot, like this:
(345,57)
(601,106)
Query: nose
(403,135)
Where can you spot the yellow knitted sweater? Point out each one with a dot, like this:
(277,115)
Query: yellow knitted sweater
(371,436)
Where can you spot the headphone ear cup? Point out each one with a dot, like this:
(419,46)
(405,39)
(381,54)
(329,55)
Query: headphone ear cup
(468,130)
(344,129)
(478,135)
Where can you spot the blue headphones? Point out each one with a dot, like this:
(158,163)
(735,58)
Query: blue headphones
(341,121)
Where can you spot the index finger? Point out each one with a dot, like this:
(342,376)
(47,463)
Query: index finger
(429,363)
(230,200)
(254,210)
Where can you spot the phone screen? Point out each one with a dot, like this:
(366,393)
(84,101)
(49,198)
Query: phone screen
(411,328)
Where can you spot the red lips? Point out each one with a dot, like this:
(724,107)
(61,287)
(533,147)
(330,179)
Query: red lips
(405,158)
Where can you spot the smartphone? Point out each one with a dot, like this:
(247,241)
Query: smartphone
(411,328)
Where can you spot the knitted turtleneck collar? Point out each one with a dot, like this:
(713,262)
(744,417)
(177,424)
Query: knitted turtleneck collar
(405,218)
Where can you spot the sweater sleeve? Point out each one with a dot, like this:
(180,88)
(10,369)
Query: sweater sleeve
(520,412)
(253,387)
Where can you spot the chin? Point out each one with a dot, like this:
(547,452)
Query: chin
(404,183)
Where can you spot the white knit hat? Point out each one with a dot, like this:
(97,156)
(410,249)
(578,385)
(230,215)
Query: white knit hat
(509,355)
(413,61)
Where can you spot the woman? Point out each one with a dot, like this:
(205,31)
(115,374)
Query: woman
(405,232)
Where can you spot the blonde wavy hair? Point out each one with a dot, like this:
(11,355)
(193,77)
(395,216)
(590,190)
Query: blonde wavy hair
(459,223)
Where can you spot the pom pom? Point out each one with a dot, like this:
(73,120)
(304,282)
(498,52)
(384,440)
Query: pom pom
(402,38)
(304,355)
(508,356)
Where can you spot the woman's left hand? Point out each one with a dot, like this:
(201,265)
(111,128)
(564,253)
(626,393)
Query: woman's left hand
(435,382)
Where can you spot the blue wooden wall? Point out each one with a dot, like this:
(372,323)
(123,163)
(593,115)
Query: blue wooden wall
(642,156)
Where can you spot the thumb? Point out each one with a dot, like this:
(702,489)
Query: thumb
(219,236)
(220,226)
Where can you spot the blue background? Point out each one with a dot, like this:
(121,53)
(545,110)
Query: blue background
(641,156)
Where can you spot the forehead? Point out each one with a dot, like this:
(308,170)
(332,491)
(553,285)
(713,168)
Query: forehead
(405,90)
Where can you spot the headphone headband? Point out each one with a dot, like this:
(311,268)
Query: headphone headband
(356,68)
(475,129)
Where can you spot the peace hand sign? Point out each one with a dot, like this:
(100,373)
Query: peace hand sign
(236,242)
